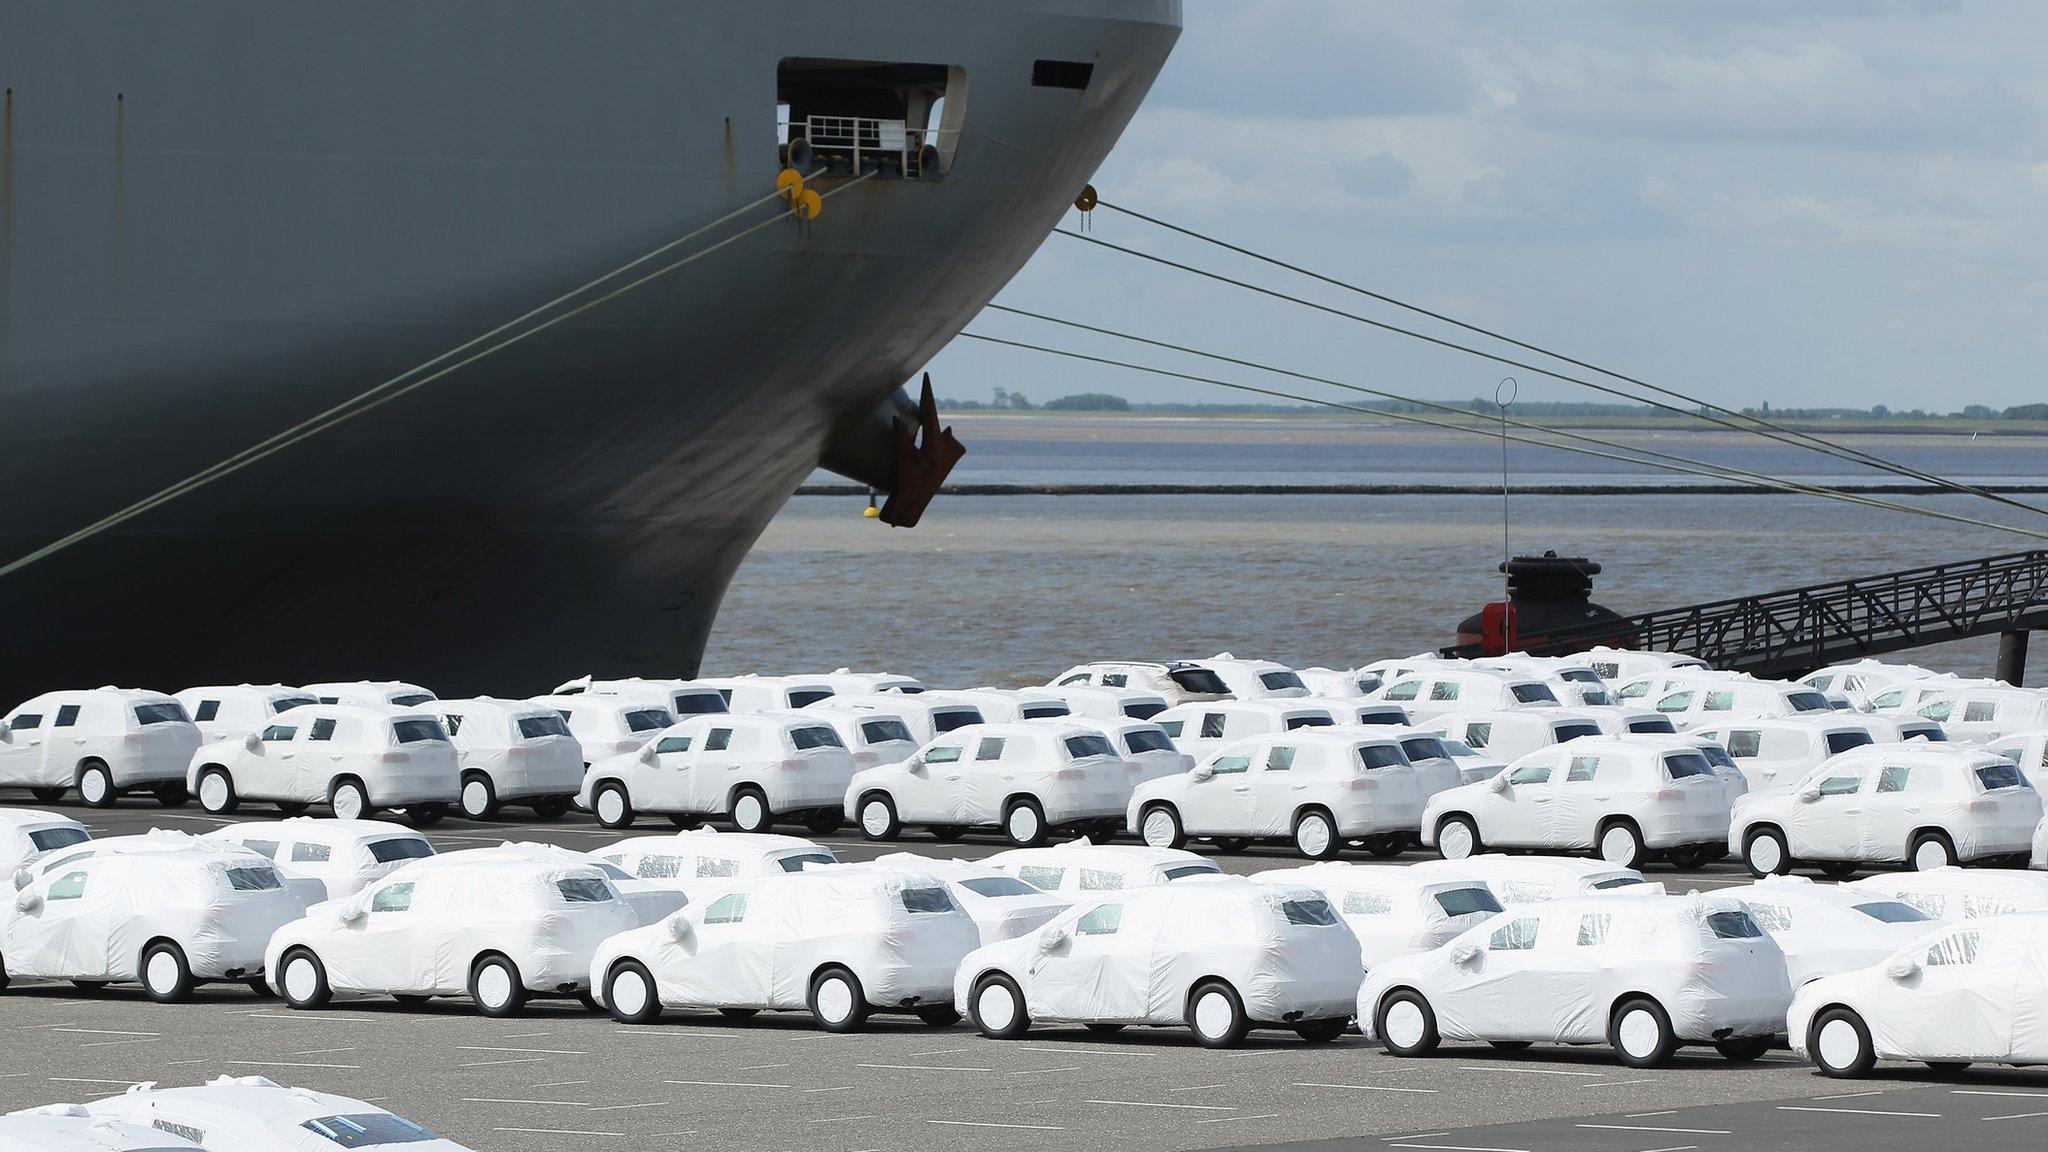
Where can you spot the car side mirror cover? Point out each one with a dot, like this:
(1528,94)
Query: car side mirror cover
(1902,968)
(352,914)
(23,877)
(1052,941)
(680,928)
(648,756)
(1808,795)
(1201,772)
(915,765)
(253,742)
(1498,782)
(1464,954)
(27,901)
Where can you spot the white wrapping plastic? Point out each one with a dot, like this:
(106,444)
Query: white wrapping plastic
(1082,866)
(759,943)
(26,834)
(1568,797)
(1394,911)
(1133,957)
(1533,879)
(399,756)
(252,1114)
(711,765)
(127,737)
(511,750)
(1356,781)
(1555,972)
(1201,729)
(978,775)
(91,918)
(1824,929)
(650,900)
(1975,992)
(1003,907)
(341,857)
(1958,894)
(70,1128)
(421,929)
(1875,803)
(702,859)
(1145,747)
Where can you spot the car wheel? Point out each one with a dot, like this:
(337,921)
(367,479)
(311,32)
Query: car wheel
(939,1016)
(1405,1024)
(629,991)
(495,986)
(479,797)
(1160,827)
(1947,1067)
(1024,823)
(750,811)
(1388,846)
(96,785)
(1231,845)
(1764,853)
(1621,845)
(1931,850)
(552,807)
(947,832)
(685,820)
(348,799)
(998,1008)
(1509,1045)
(739,1013)
(611,805)
(1838,869)
(1322,1031)
(837,1001)
(1457,838)
(48,795)
(1315,835)
(261,988)
(1217,1015)
(293,807)
(302,980)
(166,975)
(1104,1027)
(217,792)
(1641,1034)
(412,999)
(878,818)
(824,821)
(172,794)
(426,815)
(1840,1044)
(1743,1049)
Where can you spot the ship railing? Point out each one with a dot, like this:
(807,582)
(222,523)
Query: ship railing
(852,145)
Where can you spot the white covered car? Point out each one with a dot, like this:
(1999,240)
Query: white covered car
(1002,905)
(1079,866)
(1512,733)
(252,1114)
(1623,799)
(1828,928)
(1985,714)
(342,856)
(1708,701)
(848,682)
(1200,729)
(678,697)
(1437,689)
(512,751)
(1920,804)
(101,741)
(1144,746)
(1961,996)
(705,858)
(26,834)
(751,768)
(1318,787)
(1106,703)
(1774,752)
(841,942)
(1219,957)
(1024,778)
(231,711)
(370,693)
(171,915)
(1958,894)
(766,693)
(925,714)
(1179,681)
(607,726)
(1517,880)
(1393,911)
(70,1128)
(355,758)
(874,735)
(1643,974)
(495,926)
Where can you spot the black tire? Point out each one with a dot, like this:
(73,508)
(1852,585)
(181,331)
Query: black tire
(1620,843)
(1472,844)
(303,988)
(48,795)
(1231,845)
(1010,1027)
(824,821)
(89,985)
(947,832)
(1423,1039)
(348,795)
(939,1016)
(1159,826)
(1766,866)
(261,988)
(1315,834)
(1216,1016)
(293,807)
(1743,1049)
(1024,823)
(1931,842)
(1841,1025)
(647,1008)
(1104,1027)
(1388,846)
(495,986)
(685,820)
(96,785)
(172,794)
(739,1013)
(1640,1032)
(837,1001)
(224,800)
(622,816)
(426,815)
(750,811)
(1947,1067)
(877,816)
(166,974)
(1510,1045)
(479,796)
(553,807)
(412,999)
(1839,869)
(1322,1031)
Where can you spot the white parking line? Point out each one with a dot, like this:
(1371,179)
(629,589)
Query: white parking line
(101,1031)
(723,1084)
(1858,1111)
(495,1063)
(1157,1104)
(989,1124)
(1036,1071)
(543,1103)
(289,1064)
(923,1068)
(1652,1128)
(1229,1119)
(1512,1068)
(558,1131)
(626,1107)
(1367,1088)
(530,1051)
(1416,1136)
(1850,1095)
(1196,1087)
(1459,1148)
(1985,1092)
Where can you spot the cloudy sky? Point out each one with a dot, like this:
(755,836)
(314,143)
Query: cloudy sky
(1816,202)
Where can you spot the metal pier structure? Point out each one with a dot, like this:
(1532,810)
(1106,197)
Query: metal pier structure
(1789,633)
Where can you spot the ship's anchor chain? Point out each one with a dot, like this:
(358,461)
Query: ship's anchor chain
(1086,202)
(804,202)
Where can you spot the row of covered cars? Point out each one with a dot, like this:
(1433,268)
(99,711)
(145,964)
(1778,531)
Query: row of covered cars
(1507,950)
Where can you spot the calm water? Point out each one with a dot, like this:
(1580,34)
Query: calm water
(1010,590)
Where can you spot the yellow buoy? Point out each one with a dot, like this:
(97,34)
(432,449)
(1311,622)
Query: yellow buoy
(809,205)
(872,512)
(790,183)
(1087,200)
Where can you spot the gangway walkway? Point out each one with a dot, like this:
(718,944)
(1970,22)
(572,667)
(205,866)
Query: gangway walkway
(1789,633)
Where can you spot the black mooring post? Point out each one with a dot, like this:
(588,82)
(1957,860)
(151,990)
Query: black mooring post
(2012,657)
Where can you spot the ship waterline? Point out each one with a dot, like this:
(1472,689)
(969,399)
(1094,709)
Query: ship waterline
(217,221)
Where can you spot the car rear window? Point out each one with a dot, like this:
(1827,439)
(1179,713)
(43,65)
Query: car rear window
(1652,724)
(1279,681)
(535,727)
(927,900)
(1380,756)
(290,702)
(369,1130)
(800,862)
(417,731)
(1148,740)
(254,879)
(1808,702)
(1080,747)
(403,848)
(1199,682)
(954,718)
(2000,776)
(169,712)
(1466,901)
(1309,913)
(1041,711)
(698,703)
(803,697)
(1144,709)
(1565,732)
(808,738)
(648,720)
(1893,912)
(883,731)
(1182,871)
(998,886)
(1424,748)
(51,839)
(584,890)
(1614,882)
(1294,722)
(1532,693)
(1843,741)
(1733,926)
(1684,764)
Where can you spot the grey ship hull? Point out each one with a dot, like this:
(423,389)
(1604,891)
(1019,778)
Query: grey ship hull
(217,219)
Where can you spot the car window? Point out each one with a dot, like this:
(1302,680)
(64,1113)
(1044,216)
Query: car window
(323,729)
(648,720)
(943,754)
(1953,950)
(1593,927)
(584,890)
(1099,880)
(1424,748)
(305,852)
(696,703)
(68,887)
(1771,917)
(883,731)
(1367,904)
(1101,921)
(1478,734)
(806,739)
(656,867)
(26,722)
(1172,727)
(996,886)
(207,710)
(1745,743)
(252,879)
(392,898)
(1308,913)
(1613,882)
(1041,877)
(168,712)
(1680,765)
(957,718)
(714,867)
(1405,690)
(417,731)
(287,703)
(1514,935)
(1843,741)
(924,900)
(1652,724)
(264,848)
(1147,740)
(1718,702)
(1041,711)
(279,733)
(801,697)
(669,745)
(67,715)
(1380,756)
(1144,709)
(449,720)
(1229,765)
(1733,926)
(535,727)
(1444,689)
(730,908)
(1212,725)
(1280,681)
(1893,912)
(1979,712)
(1564,733)
(1280,759)
(1534,694)
(2000,776)
(1808,702)
(1109,680)
(1312,720)
(804,860)
(1082,747)
(369,1130)
(402,848)
(1530,774)
(1466,901)
(412,699)
(1841,785)
(719,740)
(1676,702)
(1893,778)
(51,839)
(1583,768)
(1182,871)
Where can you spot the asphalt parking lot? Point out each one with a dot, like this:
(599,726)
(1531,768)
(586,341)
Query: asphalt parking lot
(561,1078)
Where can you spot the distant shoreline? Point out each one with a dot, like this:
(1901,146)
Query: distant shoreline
(1896,426)
(1417,490)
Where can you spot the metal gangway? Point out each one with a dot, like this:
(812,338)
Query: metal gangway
(1789,633)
